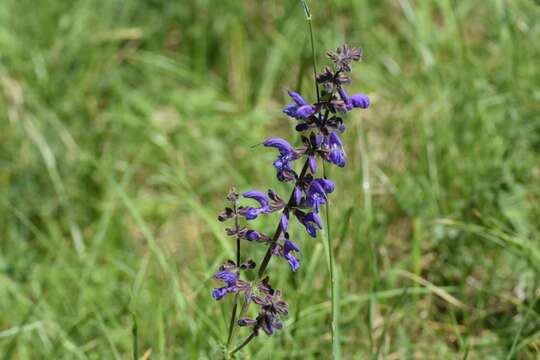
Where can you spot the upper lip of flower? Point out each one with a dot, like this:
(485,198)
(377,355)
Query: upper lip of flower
(258,196)
(281,144)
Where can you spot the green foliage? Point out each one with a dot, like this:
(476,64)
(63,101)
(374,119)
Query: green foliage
(124,123)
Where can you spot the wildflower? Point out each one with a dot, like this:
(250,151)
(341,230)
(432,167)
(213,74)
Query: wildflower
(298,109)
(272,307)
(336,154)
(253,235)
(283,163)
(316,193)
(285,251)
(310,221)
(251,213)
(228,273)
(360,101)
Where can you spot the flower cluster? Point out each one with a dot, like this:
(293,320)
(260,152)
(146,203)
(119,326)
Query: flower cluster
(272,307)
(320,125)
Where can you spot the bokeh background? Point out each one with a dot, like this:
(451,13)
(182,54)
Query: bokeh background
(124,123)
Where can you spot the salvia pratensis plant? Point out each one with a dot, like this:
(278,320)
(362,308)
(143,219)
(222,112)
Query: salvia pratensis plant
(320,125)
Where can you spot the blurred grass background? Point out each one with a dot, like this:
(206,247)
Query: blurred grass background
(124,123)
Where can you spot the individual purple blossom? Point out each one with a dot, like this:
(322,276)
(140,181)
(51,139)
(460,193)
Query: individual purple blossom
(336,154)
(251,213)
(299,109)
(229,275)
(316,193)
(310,221)
(313,164)
(288,247)
(284,222)
(283,163)
(253,235)
(360,101)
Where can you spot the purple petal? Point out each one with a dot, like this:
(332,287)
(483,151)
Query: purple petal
(258,196)
(312,231)
(293,261)
(337,157)
(319,139)
(289,246)
(316,188)
(284,222)
(297,98)
(313,217)
(251,213)
(297,195)
(327,185)
(253,235)
(282,145)
(360,101)
(313,164)
(345,97)
(219,293)
(334,140)
(305,111)
(227,277)
(290,109)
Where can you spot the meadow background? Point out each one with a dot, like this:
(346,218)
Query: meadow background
(124,123)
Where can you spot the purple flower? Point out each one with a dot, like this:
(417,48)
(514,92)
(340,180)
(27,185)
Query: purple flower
(228,273)
(297,195)
(230,280)
(253,235)
(305,111)
(316,196)
(360,101)
(346,99)
(310,221)
(326,184)
(298,100)
(299,109)
(288,247)
(272,307)
(283,163)
(281,144)
(284,222)
(313,164)
(251,213)
(335,146)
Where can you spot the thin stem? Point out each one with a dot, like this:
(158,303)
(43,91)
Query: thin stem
(244,343)
(333,288)
(235,302)
(308,18)
(232,323)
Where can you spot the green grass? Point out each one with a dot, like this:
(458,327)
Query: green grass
(124,123)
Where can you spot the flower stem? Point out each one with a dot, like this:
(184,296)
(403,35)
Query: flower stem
(307,13)
(336,351)
(235,302)
(275,238)
(244,343)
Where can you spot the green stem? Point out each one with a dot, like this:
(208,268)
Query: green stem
(308,18)
(235,303)
(244,343)
(336,351)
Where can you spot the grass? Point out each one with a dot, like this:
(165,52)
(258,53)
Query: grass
(123,124)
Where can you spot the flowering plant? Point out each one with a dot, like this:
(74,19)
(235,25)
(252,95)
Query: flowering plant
(320,125)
